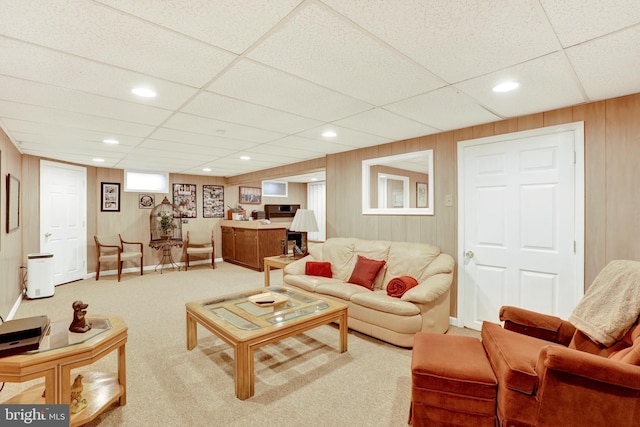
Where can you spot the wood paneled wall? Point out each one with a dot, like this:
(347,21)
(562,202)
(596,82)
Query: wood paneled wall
(612,218)
(612,201)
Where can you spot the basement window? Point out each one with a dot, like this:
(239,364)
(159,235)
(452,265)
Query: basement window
(150,182)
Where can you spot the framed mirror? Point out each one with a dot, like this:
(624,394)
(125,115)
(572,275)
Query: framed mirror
(398,185)
(13,203)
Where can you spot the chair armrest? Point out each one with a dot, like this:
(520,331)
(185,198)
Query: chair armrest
(538,325)
(131,243)
(587,365)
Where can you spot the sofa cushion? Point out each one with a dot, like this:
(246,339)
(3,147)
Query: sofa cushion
(338,289)
(365,271)
(379,300)
(403,260)
(308,283)
(318,268)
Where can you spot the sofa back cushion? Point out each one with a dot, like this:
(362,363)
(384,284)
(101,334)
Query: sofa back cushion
(342,253)
(410,259)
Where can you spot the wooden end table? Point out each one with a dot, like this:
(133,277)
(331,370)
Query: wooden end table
(59,353)
(275,262)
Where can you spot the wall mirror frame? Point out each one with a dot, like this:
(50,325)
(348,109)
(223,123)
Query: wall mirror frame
(384,188)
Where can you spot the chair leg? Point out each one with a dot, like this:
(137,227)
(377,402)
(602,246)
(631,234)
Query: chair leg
(213,264)
(141,268)
(119,269)
(186,267)
(98,272)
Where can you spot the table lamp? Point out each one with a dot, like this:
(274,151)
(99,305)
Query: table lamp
(304,221)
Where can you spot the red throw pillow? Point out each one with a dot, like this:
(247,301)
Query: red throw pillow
(318,268)
(365,272)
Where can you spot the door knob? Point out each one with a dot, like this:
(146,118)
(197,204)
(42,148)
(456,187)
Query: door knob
(469,254)
(47,234)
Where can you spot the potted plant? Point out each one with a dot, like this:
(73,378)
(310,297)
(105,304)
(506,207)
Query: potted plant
(166,224)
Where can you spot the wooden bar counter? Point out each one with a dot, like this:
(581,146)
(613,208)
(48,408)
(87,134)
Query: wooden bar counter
(247,243)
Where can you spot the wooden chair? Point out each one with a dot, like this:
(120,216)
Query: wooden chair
(111,248)
(200,244)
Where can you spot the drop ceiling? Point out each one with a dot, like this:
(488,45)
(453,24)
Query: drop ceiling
(265,79)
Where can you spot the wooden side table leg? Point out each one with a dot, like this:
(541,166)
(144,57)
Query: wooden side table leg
(267,274)
(122,374)
(192,332)
(244,371)
(344,332)
(51,386)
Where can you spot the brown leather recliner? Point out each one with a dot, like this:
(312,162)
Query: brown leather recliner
(551,374)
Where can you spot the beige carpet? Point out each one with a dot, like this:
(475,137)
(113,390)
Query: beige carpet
(302,380)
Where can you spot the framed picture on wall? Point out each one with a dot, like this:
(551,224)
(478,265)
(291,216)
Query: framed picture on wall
(146,201)
(184,197)
(250,195)
(13,203)
(110,197)
(422,195)
(213,201)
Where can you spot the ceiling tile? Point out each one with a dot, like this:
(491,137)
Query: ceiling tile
(321,47)
(445,109)
(265,86)
(42,65)
(39,94)
(546,83)
(109,36)
(315,147)
(203,151)
(576,21)
(460,39)
(183,137)
(347,137)
(386,124)
(189,122)
(230,24)
(608,66)
(67,118)
(227,109)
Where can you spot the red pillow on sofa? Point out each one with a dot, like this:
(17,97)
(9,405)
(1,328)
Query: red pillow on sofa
(365,272)
(318,268)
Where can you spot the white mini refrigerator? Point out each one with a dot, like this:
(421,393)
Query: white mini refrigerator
(40,276)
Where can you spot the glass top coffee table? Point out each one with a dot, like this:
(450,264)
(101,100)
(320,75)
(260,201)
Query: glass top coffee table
(249,320)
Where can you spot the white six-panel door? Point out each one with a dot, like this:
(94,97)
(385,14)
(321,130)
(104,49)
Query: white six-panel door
(63,224)
(521,216)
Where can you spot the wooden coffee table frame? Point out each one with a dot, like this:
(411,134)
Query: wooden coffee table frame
(244,342)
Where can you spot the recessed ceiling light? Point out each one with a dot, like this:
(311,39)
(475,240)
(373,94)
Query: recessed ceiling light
(329,134)
(245,158)
(144,92)
(206,169)
(98,160)
(506,87)
(110,141)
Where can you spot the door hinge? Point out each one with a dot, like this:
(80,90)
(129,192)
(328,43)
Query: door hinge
(574,246)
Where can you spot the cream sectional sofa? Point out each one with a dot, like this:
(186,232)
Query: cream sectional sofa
(424,307)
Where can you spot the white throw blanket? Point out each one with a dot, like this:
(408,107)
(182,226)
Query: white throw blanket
(611,304)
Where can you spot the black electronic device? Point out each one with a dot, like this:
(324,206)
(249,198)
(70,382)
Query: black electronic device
(20,335)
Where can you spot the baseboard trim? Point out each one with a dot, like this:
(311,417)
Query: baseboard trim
(147,268)
(454,321)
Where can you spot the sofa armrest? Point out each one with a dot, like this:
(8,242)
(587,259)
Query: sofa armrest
(436,284)
(430,289)
(586,365)
(298,267)
(538,325)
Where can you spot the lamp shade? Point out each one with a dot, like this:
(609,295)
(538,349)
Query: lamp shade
(304,220)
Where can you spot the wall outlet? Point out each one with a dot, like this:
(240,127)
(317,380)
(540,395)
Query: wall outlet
(448,200)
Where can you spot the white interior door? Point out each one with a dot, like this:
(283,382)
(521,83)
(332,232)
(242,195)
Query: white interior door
(63,213)
(521,217)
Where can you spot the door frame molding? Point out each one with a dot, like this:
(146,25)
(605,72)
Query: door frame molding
(579,201)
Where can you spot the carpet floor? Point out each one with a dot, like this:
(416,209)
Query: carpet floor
(302,380)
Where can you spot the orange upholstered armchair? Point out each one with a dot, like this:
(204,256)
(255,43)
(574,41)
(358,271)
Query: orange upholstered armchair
(550,373)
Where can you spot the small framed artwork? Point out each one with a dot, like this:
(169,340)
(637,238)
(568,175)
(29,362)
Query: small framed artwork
(184,196)
(422,195)
(251,195)
(110,197)
(13,203)
(213,201)
(146,201)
